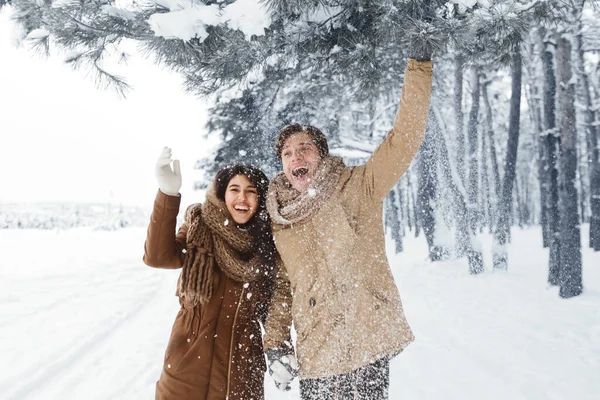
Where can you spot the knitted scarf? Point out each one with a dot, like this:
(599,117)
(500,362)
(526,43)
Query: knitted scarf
(287,206)
(213,239)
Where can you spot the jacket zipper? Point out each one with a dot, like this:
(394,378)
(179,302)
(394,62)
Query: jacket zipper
(231,344)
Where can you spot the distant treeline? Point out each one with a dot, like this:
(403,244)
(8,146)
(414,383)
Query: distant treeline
(64,216)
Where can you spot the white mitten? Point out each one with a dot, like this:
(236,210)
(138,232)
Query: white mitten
(169,180)
(282,367)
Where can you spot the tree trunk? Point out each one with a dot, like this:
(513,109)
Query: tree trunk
(570,252)
(492,151)
(582,197)
(474,254)
(527,211)
(551,143)
(519,209)
(535,107)
(458,113)
(594,152)
(413,200)
(372,115)
(406,200)
(544,178)
(500,255)
(473,187)
(426,194)
(401,211)
(394,219)
(462,235)
(486,209)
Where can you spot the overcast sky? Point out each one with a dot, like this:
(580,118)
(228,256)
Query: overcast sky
(62,139)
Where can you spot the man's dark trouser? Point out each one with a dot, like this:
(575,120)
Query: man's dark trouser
(370,382)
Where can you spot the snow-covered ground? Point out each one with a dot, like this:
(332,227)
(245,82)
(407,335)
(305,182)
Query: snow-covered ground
(81,317)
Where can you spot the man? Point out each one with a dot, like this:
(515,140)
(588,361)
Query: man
(327,224)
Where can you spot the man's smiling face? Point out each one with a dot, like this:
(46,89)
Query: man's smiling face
(300,157)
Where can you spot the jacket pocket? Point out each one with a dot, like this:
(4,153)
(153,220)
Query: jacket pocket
(308,312)
(258,354)
(378,295)
(181,337)
(309,328)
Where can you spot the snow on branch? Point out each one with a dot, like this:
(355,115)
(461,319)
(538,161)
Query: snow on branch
(118,12)
(185,23)
(188,20)
(248,16)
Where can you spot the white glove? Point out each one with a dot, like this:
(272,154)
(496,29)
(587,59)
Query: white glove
(169,180)
(283,368)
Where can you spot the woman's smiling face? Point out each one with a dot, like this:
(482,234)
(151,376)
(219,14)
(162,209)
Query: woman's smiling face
(241,199)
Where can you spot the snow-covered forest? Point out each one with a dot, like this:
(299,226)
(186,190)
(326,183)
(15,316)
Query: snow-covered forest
(513,131)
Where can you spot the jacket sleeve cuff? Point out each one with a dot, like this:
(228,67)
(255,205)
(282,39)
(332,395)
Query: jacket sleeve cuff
(167,202)
(420,66)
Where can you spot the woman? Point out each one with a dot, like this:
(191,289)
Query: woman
(229,263)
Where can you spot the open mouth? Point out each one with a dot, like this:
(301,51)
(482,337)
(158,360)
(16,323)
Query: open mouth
(299,172)
(241,208)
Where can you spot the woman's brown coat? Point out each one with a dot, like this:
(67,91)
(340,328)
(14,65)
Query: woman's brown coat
(215,352)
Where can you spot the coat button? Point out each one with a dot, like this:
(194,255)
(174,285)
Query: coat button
(312,302)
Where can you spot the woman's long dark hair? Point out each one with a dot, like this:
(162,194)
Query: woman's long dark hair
(260,224)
